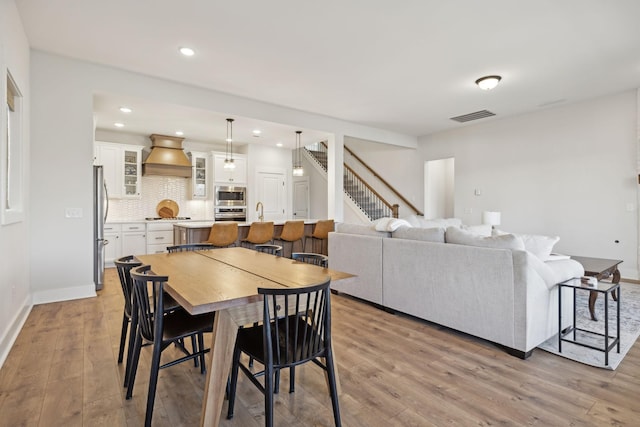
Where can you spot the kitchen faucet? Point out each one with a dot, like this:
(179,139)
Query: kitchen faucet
(260,208)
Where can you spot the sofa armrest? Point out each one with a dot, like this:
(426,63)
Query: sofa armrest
(360,255)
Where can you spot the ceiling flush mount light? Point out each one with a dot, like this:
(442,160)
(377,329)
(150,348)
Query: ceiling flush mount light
(488,82)
(187,51)
(125,109)
(228,160)
(297,164)
(119,125)
(179,133)
(257,132)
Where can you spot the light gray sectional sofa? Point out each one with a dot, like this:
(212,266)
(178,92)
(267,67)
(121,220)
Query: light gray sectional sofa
(487,286)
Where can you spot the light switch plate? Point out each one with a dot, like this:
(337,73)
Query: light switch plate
(73,213)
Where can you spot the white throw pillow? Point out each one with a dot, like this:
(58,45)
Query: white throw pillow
(540,246)
(482,229)
(389,224)
(462,237)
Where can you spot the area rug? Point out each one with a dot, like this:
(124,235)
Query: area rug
(629,329)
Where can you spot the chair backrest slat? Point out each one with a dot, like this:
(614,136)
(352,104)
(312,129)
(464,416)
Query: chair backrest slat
(297,323)
(190,247)
(124,266)
(148,306)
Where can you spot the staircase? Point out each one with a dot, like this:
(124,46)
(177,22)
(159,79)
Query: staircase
(361,193)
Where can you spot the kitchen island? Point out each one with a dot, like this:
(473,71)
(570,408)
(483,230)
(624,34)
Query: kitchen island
(198,231)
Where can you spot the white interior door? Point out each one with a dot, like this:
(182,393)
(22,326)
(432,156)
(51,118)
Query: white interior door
(301,198)
(272,192)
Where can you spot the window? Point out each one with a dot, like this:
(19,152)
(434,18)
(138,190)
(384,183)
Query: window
(11,196)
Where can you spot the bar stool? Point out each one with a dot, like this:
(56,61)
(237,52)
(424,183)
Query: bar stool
(292,231)
(321,233)
(223,234)
(259,233)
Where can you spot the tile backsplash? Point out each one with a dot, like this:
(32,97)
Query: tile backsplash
(153,190)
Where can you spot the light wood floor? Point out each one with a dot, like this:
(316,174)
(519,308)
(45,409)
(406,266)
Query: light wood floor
(395,371)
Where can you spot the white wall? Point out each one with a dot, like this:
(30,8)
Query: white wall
(569,171)
(14,268)
(62,137)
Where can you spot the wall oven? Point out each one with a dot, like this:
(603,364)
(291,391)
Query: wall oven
(230,196)
(231,214)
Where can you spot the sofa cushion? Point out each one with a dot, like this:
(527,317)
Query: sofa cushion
(361,229)
(423,234)
(389,224)
(463,237)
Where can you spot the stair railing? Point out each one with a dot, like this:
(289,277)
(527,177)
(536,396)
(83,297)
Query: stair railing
(383,181)
(360,192)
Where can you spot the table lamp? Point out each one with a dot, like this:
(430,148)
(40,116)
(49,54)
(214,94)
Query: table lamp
(491,218)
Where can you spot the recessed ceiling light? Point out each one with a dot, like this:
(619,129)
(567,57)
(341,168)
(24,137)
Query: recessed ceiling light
(257,132)
(119,125)
(279,144)
(179,133)
(125,109)
(488,82)
(187,51)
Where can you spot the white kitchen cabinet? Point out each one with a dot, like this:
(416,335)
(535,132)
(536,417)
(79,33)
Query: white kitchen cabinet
(159,236)
(200,175)
(134,239)
(124,239)
(238,175)
(122,168)
(113,249)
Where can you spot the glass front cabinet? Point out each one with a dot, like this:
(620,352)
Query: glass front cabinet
(122,168)
(200,174)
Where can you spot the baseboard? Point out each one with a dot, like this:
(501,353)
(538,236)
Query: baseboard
(11,334)
(64,294)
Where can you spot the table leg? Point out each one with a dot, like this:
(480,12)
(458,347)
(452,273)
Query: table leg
(615,279)
(593,296)
(225,331)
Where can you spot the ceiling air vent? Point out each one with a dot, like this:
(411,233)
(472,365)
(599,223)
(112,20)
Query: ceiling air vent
(473,116)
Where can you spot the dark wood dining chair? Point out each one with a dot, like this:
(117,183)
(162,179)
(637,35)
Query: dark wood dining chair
(311,258)
(269,249)
(223,234)
(320,234)
(190,247)
(259,234)
(124,266)
(162,328)
(296,329)
(292,232)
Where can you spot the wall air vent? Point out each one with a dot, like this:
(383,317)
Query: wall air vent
(473,116)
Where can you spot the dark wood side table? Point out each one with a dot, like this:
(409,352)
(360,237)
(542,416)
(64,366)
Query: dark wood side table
(599,268)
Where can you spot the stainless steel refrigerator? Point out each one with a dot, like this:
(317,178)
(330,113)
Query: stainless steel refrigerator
(100,211)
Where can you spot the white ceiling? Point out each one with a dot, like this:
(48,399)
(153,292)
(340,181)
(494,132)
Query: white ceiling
(406,66)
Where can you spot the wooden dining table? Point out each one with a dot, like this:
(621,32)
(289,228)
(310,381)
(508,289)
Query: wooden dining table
(226,281)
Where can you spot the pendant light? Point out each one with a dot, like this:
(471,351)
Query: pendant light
(228,160)
(297,164)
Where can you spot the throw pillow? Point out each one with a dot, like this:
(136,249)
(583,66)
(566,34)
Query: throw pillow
(482,229)
(540,246)
(462,237)
(389,224)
